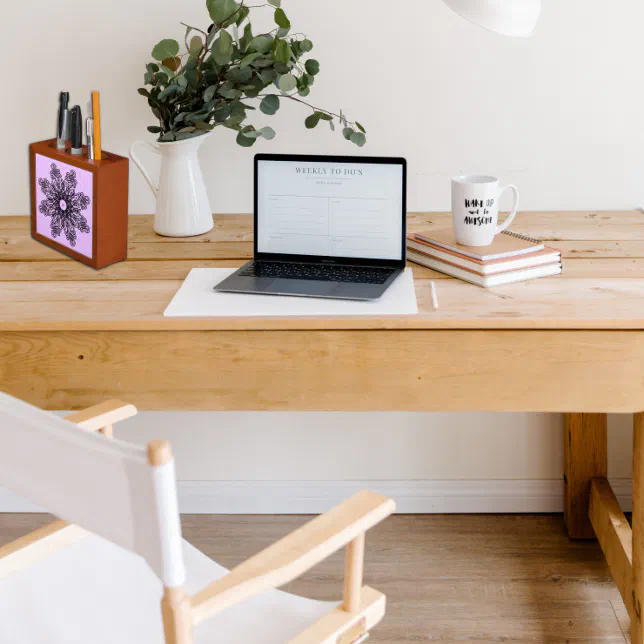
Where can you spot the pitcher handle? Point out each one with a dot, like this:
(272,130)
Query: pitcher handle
(155,148)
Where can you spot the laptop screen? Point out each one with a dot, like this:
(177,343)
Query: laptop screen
(349,209)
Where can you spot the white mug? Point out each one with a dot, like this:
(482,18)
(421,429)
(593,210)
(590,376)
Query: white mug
(475,209)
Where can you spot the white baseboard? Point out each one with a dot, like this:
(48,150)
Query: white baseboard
(414,497)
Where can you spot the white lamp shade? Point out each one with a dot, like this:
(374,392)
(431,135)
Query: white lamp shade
(507,17)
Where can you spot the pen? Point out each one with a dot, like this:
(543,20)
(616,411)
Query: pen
(434,296)
(89,131)
(76,130)
(63,121)
(96,114)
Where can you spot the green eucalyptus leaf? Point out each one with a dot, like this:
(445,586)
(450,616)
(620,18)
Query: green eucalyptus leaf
(167,48)
(222,48)
(270,104)
(202,125)
(281,20)
(169,91)
(196,45)
(152,68)
(239,74)
(275,3)
(164,75)
(168,136)
(230,92)
(221,10)
(155,129)
(283,32)
(247,38)
(143,91)
(358,138)
(188,135)
(268,133)
(253,134)
(248,59)
(347,133)
(312,66)
(324,116)
(287,83)
(306,45)
(282,51)
(209,94)
(245,141)
(304,91)
(267,76)
(360,128)
(262,43)
(312,120)
(332,126)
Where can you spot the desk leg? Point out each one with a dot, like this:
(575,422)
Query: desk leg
(585,457)
(637,629)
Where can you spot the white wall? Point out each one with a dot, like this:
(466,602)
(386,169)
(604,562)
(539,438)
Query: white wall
(559,114)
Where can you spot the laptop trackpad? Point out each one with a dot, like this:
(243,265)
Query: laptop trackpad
(302,287)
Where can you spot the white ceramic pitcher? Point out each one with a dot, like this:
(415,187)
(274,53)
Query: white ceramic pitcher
(182,201)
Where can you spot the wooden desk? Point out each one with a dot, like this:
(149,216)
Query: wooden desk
(71,336)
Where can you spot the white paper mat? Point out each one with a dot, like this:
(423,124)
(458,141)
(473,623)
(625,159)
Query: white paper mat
(195,298)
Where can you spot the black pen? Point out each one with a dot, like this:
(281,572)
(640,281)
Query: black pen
(62,133)
(77,130)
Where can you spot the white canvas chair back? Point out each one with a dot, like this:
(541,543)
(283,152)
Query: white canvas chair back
(104,485)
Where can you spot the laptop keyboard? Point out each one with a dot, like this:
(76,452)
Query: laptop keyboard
(319,272)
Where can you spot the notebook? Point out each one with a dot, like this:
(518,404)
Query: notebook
(489,267)
(195,298)
(486,281)
(507,244)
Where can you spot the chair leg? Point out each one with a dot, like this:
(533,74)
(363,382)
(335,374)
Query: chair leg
(353,571)
(637,628)
(177,616)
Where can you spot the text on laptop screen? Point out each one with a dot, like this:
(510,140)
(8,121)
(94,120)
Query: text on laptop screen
(330,209)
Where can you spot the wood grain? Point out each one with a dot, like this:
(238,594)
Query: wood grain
(614,535)
(637,617)
(557,303)
(585,458)
(349,370)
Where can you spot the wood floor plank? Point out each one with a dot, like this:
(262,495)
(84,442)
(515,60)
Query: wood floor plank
(455,579)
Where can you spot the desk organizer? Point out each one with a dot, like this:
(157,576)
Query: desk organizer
(79,205)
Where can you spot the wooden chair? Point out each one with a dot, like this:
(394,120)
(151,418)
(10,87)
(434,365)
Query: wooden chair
(97,576)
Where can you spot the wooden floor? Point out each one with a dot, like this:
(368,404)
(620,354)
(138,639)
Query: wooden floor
(452,579)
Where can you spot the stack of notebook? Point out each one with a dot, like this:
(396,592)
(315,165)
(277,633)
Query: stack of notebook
(509,258)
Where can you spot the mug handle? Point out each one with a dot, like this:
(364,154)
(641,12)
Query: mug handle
(155,148)
(501,227)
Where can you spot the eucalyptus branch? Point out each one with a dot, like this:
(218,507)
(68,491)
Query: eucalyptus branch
(209,85)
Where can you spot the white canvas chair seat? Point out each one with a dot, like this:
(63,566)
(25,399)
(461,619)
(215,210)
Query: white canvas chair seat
(121,573)
(77,596)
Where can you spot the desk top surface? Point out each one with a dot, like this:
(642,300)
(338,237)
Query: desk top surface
(602,286)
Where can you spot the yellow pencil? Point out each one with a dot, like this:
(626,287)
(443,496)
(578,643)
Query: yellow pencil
(96,113)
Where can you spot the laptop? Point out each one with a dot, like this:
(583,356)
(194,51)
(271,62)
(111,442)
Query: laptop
(325,226)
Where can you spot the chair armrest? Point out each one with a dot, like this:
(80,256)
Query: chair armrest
(103,415)
(293,555)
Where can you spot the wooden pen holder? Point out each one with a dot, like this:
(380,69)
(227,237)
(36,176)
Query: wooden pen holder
(78,205)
